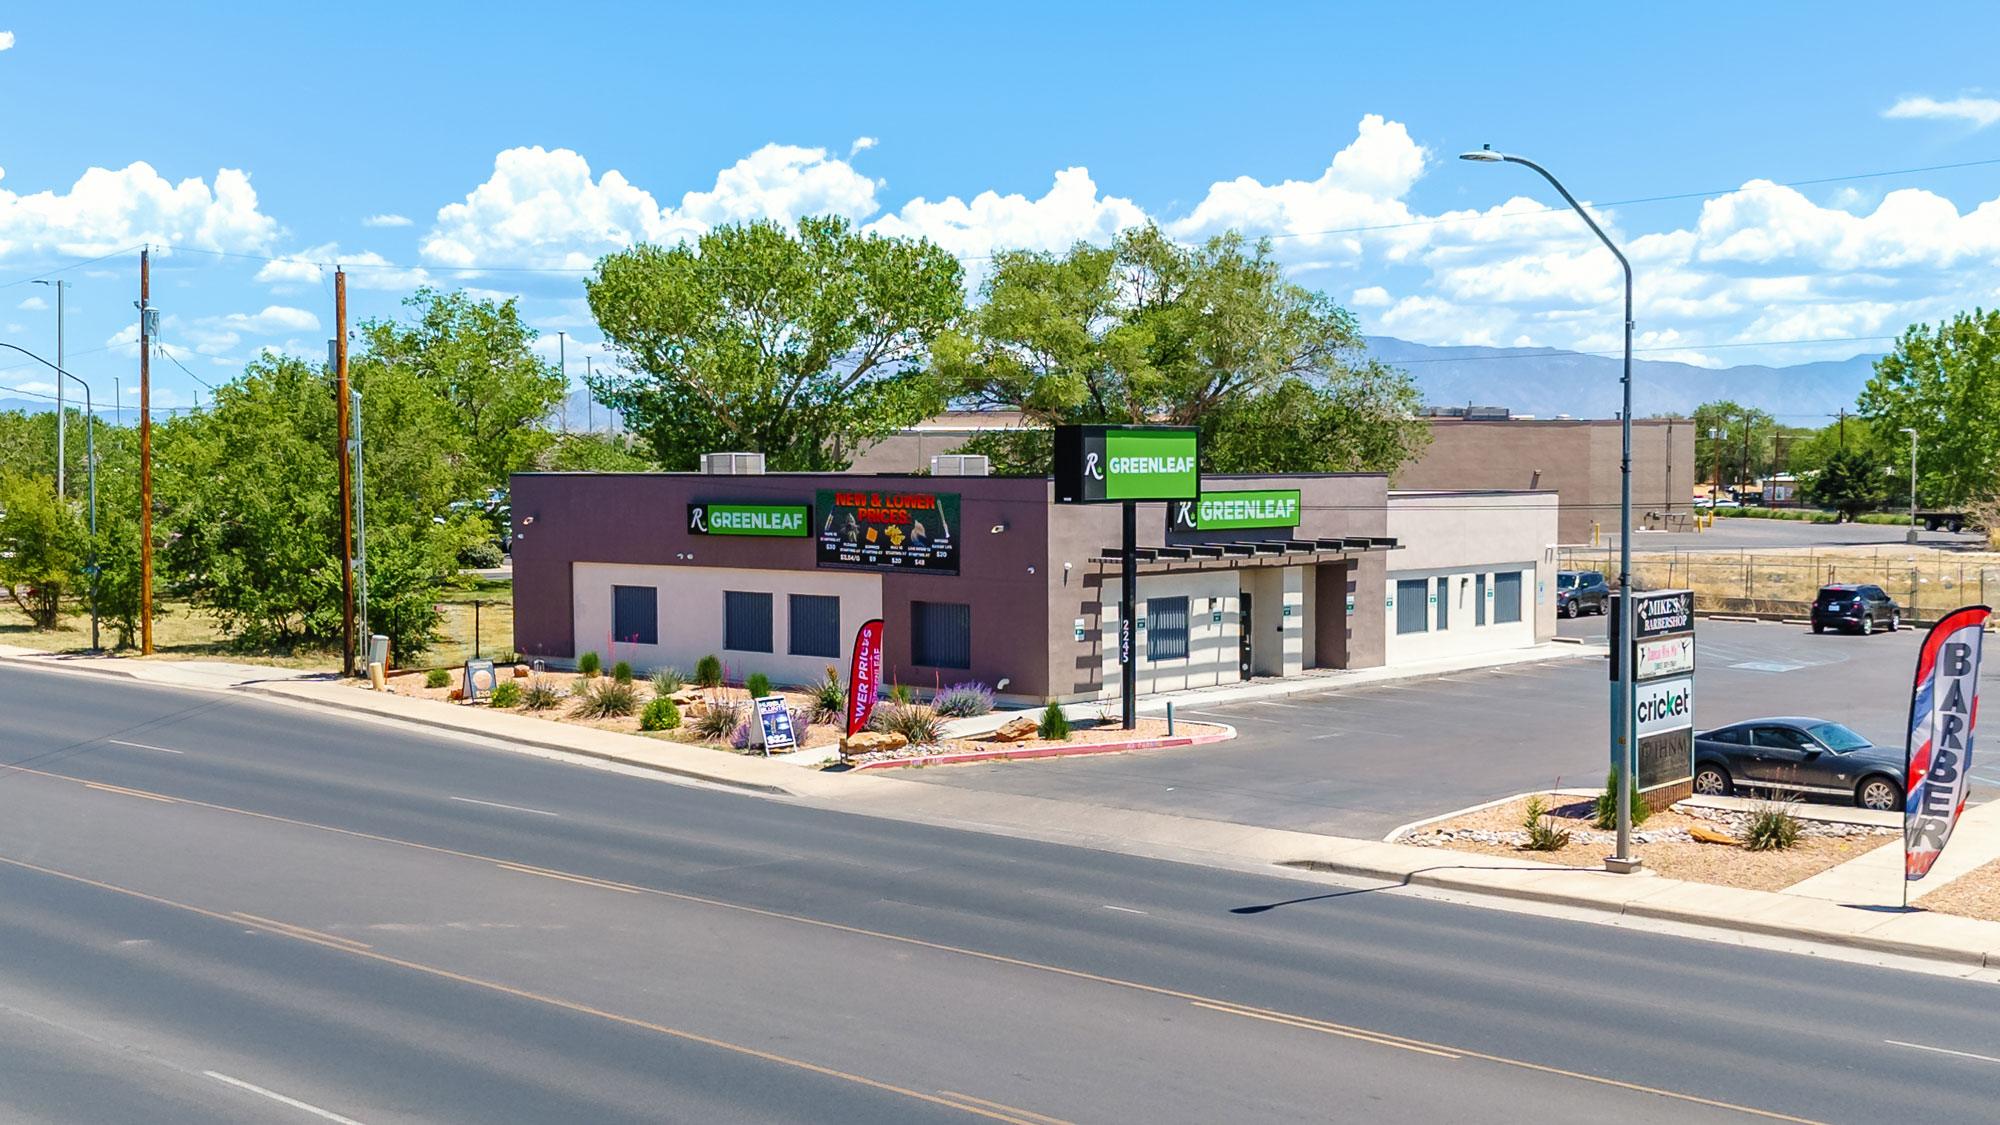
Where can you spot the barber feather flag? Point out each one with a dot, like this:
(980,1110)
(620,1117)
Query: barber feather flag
(1943,708)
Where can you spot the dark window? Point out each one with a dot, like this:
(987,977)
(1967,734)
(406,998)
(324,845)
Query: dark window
(1506,597)
(635,615)
(1782,738)
(1412,615)
(1479,599)
(1166,628)
(1444,604)
(815,625)
(1732,736)
(941,634)
(746,621)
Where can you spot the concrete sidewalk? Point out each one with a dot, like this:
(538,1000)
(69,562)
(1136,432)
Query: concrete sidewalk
(1315,680)
(210,674)
(1876,878)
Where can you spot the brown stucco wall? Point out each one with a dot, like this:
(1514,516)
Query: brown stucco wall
(640,518)
(1577,458)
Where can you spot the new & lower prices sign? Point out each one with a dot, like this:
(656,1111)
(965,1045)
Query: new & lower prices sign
(896,530)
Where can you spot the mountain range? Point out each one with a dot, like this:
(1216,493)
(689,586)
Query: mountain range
(1549,381)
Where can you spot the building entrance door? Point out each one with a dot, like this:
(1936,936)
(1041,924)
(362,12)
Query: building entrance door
(1244,632)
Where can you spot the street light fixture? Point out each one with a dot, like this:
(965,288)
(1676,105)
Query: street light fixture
(90,458)
(1911,536)
(1623,729)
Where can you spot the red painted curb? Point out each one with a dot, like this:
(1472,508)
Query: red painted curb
(1047,751)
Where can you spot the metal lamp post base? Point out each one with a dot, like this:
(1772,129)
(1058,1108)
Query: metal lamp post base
(1633,866)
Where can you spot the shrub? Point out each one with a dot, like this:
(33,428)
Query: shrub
(506,693)
(660,714)
(668,680)
(1605,814)
(1544,835)
(481,554)
(607,699)
(920,725)
(758,685)
(437,677)
(588,664)
(541,695)
(622,671)
(829,702)
(708,671)
(1054,725)
(1772,828)
(900,694)
(962,701)
(719,721)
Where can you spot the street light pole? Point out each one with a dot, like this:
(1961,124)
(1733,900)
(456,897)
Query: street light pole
(90,459)
(1623,729)
(1911,537)
(62,415)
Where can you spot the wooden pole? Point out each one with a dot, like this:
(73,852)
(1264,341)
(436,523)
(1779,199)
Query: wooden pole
(340,398)
(145,458)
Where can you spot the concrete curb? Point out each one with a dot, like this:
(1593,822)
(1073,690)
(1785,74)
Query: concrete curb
(539,744)
(1228,733)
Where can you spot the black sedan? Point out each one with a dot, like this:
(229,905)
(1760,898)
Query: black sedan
(1798,755)
(1581,591)
(1856,608)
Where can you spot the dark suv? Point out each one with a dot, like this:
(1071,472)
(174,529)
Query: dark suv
(1581,591)
(1859,608)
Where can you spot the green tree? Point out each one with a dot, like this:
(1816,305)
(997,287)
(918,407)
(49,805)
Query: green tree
(1735,441)
(1147,330)
(476,358)
(806,346)
(43,545)
(592,453)
(1944,382)
(1850,482)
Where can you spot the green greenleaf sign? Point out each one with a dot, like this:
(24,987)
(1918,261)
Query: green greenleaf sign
(1235,511)
(786,520)
(1100,464)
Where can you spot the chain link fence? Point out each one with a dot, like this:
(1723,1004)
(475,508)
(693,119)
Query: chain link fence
(1927,583)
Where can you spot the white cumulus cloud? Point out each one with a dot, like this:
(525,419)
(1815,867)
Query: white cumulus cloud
(1980,112)
(106,210)
(386,220)
(33,303)
(6,40)
(861,144)
(271,321)
(1072,210)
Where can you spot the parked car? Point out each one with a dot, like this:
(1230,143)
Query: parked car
(1727,502)
(1798,755)
(1860,608)
(1581,591)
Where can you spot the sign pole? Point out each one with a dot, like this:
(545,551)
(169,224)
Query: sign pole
(1128,600)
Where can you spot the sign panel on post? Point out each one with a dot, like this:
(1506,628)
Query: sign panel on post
(1106,464)
(1664,705)
(892,530)
(864,675)
(1235,511)
(774,719)
(787,520)
(1666,656)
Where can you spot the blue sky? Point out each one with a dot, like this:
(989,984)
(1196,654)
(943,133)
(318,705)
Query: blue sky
(521,141)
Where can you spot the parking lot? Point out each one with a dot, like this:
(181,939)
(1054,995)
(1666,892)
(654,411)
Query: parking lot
(1362,761)
(1766,535)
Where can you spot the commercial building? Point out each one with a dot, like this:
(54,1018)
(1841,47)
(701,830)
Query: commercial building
(988,578)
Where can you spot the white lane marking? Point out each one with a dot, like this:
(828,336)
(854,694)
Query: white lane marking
(142,746)
(509,808)
(1286,706)
(1941,1050)
(1122,909)
(295,1103)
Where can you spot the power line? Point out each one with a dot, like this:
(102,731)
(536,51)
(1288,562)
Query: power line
(1557,353)
(71,266)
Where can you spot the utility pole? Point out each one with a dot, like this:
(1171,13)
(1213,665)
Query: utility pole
(145,454)
(590,403)
(340,401)
(1843,427)
(562,362)
(62,416)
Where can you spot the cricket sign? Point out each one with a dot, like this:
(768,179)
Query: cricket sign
(793,521)
(1944,704)
(1235,511)
(1107,464)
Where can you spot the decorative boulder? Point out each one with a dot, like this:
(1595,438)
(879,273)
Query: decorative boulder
(522,671)
(1709,835)
(869,741)
(1015,730)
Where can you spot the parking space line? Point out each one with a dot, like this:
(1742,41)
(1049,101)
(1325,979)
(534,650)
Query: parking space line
(142,746)
(281,1099)
(1941,1051)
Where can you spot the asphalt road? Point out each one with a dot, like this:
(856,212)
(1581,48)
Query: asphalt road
(222,910)
(1364,761)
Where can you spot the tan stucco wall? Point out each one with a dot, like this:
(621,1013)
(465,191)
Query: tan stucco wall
(1460,535)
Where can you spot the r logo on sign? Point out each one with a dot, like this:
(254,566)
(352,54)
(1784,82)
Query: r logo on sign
(698,520)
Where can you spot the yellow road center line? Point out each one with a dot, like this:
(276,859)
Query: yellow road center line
(1029,1115)
(583,879)
(124,792)
(301,931)
(993,958)
(1309,1026)
(525,994)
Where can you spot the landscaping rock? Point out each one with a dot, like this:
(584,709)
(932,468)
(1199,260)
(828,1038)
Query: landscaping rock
(870,742)
(522,671)
(1015,730)
(1707,835)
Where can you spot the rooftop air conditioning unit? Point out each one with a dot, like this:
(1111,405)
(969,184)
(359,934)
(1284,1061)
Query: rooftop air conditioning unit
(961,465)
(733,464)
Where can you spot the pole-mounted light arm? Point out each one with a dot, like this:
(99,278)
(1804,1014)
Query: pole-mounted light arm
(54,368)
(1489,156)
